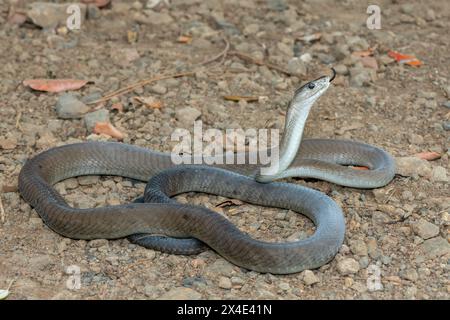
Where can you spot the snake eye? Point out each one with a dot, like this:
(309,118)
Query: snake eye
(311,85)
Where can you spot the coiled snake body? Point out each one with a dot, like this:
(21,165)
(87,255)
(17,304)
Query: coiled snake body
(179,223)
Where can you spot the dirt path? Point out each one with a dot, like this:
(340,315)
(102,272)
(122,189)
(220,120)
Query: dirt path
(397,237)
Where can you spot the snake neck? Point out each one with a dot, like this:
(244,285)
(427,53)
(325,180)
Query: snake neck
(290,141)
(298,112)
(293,133)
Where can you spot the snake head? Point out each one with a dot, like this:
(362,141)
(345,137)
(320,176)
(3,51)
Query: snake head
(311,91)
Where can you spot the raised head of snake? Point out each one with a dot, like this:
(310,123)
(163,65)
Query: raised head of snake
(298,110)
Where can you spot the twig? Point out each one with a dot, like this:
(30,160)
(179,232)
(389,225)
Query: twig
(141,83)
(2,211)
(144,82)
(258,62)
(239,98)
(222,54)
(11,283)
(390,195)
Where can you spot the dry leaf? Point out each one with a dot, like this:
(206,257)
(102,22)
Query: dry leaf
(227,203)
(156,104)
(108,129)
(430,156)
(239,98)
(369,62)
(54,85)
(364,53)
(132,36)
(366,57)
(405,58)
(149,102)
(184,39)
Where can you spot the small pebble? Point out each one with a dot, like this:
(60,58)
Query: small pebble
(252,28)
(412,166)
(364,262)
(358,247)
(158,89)
(309,278)
(439,174)
(407,8)
(181,293)
(69,107)
(306,58)
(409,274)
(446,125)
(372,248)
(71,183)
(284,286)
(435,247)
(425,229)
(348,266)
(93,12)
(341,69)
(297,67)
(98,243)
(87,180)
(360,77)
(186,116)
(225,283)
(90,119)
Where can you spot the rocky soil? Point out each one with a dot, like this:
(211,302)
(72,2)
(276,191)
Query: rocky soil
(397,236)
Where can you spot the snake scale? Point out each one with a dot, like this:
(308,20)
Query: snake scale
(161,223)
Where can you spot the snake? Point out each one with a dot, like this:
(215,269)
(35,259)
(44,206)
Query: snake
(158,221)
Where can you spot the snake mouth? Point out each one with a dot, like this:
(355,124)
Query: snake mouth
(334,74)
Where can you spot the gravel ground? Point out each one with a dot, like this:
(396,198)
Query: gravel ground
(397,236)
